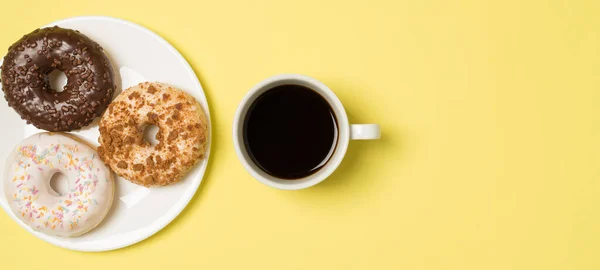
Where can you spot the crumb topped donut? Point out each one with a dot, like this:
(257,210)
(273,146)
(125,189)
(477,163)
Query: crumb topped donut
(26,85)
(181,137)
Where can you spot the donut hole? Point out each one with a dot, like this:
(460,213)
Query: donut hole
(58,80)
(59,183)
(150,132)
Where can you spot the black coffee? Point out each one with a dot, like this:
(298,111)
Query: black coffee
(290,131)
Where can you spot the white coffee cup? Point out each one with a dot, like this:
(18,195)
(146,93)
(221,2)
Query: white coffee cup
(346,132)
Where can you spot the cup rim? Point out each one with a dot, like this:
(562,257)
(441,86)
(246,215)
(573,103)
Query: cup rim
(340,149)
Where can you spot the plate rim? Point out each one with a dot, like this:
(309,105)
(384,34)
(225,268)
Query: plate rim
(172,214)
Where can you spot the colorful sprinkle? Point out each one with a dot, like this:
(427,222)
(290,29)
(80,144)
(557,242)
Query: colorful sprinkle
(77,203)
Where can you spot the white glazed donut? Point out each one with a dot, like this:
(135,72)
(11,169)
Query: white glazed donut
(27,188)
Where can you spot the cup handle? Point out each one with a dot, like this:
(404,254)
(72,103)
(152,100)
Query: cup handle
(365,132)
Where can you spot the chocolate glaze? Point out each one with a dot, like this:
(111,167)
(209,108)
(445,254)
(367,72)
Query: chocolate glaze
(26,86)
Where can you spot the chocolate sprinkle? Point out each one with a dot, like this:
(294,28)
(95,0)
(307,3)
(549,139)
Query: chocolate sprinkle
(27,87)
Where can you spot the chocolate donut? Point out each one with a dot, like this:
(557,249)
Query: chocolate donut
(26,86)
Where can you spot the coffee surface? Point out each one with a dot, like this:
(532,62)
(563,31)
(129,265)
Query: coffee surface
(290,131)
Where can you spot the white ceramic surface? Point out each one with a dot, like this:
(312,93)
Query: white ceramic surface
(346,132)
(137,54)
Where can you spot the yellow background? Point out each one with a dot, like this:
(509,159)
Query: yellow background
(490,149)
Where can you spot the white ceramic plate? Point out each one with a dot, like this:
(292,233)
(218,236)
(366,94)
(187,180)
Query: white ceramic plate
(137,54)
